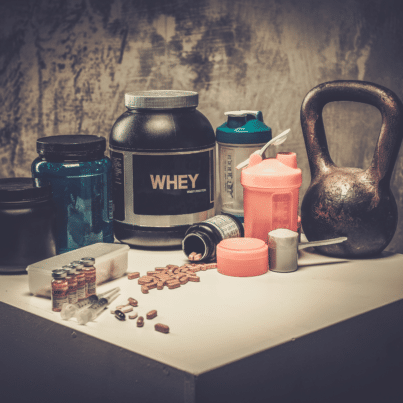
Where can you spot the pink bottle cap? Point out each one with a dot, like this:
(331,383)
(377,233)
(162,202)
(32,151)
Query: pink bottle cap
(280,172)
(242,257)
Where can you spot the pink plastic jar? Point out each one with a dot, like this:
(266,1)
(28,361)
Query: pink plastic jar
(271,191)
(242,257)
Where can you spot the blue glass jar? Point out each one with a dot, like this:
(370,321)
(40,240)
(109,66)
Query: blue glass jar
(80,175)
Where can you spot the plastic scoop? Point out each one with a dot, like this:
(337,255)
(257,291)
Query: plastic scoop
(284,247)
(273,142)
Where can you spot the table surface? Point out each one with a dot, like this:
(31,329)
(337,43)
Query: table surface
(223,319)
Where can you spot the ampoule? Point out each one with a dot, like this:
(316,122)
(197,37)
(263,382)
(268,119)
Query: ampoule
(80,279)
(90,275)
(72,282)
(59,289)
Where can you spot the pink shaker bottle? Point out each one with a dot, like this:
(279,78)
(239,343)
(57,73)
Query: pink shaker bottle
(271,190)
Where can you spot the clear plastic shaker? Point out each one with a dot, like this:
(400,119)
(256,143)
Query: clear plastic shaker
(242,134)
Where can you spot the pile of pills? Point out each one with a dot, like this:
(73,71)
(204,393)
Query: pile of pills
(171,276)
(121,311)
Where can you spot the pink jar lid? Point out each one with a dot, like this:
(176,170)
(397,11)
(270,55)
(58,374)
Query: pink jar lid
(242,257)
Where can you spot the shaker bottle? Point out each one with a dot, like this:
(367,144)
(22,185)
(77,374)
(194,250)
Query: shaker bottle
(271,190)
(241,135)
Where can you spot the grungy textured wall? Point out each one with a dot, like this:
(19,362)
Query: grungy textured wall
(65,66)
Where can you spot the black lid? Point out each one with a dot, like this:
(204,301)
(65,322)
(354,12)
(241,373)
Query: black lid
(23,190)
(71,145)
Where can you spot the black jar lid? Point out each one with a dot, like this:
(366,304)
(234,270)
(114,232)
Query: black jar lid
(14,190)
(71,146)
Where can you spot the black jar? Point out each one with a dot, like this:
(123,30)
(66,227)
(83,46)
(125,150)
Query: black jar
(163,157)
(27,224)
(203,238)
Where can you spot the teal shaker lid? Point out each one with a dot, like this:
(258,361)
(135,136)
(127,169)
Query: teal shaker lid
(243,127)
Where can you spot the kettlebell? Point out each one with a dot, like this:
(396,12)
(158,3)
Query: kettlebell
(351,202)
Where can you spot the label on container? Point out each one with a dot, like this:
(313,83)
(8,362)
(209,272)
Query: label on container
(226,225)
(118,185)
(160,184)
(59,295)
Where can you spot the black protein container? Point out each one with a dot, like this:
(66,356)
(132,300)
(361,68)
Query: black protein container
(163,157)
(203,238)
(27,224)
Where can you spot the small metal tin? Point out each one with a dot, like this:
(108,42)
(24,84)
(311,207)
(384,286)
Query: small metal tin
(283,250)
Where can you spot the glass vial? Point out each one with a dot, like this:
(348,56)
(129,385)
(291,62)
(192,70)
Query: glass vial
(59,288)
(203,238)
(90,276)
(72,282)
(81,294)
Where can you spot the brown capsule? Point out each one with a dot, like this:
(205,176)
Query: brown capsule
(184,279)
(152,285)
(145,280)
(174,285)
(152,273)
(132,276)
(159,327)
(159,269)
(197,257)
(152,314)
(144,289)
(195,279)
(133,302)
(160,285)
(140,321)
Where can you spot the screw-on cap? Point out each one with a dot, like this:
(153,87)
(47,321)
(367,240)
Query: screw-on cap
(161,99)
(70,269)
(71,146)
(77,264)
(23,190)
(272,173)
(59,273)
(87,261)
(242,257)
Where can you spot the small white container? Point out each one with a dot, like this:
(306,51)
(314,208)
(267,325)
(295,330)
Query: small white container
(111,261)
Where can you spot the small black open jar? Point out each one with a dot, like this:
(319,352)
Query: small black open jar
(27,224)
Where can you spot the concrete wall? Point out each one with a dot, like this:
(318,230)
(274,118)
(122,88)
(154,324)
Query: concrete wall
(65,66)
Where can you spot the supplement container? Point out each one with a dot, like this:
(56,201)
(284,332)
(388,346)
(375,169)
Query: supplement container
(240,136)
(163,156)
(271,190)
(204,237)
(27,224)
(242,257)
(80,176)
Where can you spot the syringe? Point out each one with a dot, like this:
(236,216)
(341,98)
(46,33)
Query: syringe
(69,310)
(91,312)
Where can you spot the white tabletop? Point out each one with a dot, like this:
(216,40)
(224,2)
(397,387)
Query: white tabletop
(223,319)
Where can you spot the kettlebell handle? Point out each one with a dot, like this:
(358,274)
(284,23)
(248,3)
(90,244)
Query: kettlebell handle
(390,137)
